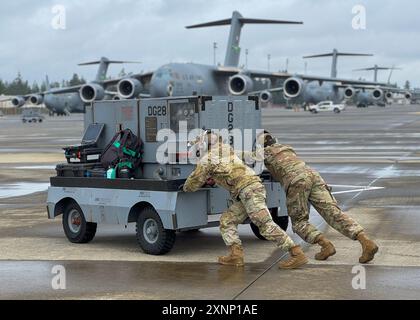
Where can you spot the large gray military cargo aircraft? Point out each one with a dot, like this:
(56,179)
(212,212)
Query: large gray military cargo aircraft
(313,92)
(65,103)
(186,79)
(364,98)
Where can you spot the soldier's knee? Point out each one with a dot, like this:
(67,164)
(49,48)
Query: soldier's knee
(260,218)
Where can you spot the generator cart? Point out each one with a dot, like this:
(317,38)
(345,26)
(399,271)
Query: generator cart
(152,199)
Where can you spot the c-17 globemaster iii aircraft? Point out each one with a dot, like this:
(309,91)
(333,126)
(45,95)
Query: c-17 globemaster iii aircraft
(65,103)
(364,100)
(313,92)
(186,79)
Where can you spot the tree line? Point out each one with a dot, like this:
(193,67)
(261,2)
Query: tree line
(20,86)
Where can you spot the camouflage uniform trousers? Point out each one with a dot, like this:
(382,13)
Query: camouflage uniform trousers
(313,188)
(251,203)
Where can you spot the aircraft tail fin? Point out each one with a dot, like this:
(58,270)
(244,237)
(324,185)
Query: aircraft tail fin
(236,23)
(103,66)
(376,68)
(335,54)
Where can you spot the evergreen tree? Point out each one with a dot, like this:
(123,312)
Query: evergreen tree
(407,85)
(55,84)
(2,87)
(35,88)
(18,87)
(74,81)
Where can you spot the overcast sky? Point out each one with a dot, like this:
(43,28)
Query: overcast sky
(153,32)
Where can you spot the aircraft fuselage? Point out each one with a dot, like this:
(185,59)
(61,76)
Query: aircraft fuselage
(184,79)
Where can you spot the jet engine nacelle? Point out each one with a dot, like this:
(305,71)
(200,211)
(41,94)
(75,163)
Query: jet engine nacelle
(377,94)
(36,99)
(388,95)
(91,92)
(349,92)
(408,95)
(129,88)
(240,84)
(266,96)
(18,102)
(293,87)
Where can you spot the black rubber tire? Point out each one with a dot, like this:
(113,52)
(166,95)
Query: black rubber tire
(165,238)
(336,110)
(313,111)
(282,222)
(87,230)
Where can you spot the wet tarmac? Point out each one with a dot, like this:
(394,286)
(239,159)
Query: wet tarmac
(370,156)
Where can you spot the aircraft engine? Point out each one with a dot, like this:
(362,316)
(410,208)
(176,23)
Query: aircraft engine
(18,101)
(293,87)
(408,95)
(240,84)
(377,94)
(36,99)
(129,88)
(349,92)
(388,95)
(91,92)
(266,96)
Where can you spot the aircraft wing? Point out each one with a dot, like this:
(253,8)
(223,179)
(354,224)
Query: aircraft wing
(26,97)
(142,77)
(277,89)
(230,71)
(64,90)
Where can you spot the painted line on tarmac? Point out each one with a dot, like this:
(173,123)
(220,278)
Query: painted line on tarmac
(359,190)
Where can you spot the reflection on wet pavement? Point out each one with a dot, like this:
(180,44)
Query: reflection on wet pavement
(21,188)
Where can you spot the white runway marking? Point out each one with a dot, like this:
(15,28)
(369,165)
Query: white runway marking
(358,190)
(345,186)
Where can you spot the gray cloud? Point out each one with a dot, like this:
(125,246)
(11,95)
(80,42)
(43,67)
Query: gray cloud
(153,32)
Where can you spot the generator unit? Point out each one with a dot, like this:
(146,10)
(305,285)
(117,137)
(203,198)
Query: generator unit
(152,198)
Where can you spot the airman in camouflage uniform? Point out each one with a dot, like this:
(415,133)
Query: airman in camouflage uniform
(248,194)
(303,184)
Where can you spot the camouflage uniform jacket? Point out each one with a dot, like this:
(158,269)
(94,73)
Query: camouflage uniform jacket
(282,162)
(222,165)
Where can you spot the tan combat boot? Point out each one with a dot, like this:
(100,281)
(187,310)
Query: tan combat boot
(236,257)
(327,249)
(296,260)
(368,246)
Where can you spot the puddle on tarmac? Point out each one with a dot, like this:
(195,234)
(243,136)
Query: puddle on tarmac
(21,189)
(42,167)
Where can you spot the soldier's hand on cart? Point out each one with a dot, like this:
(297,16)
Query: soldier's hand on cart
(181,187)
(210,182)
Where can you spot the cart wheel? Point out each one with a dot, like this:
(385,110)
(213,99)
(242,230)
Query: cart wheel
(152,237)
(76,228)
(282,222)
